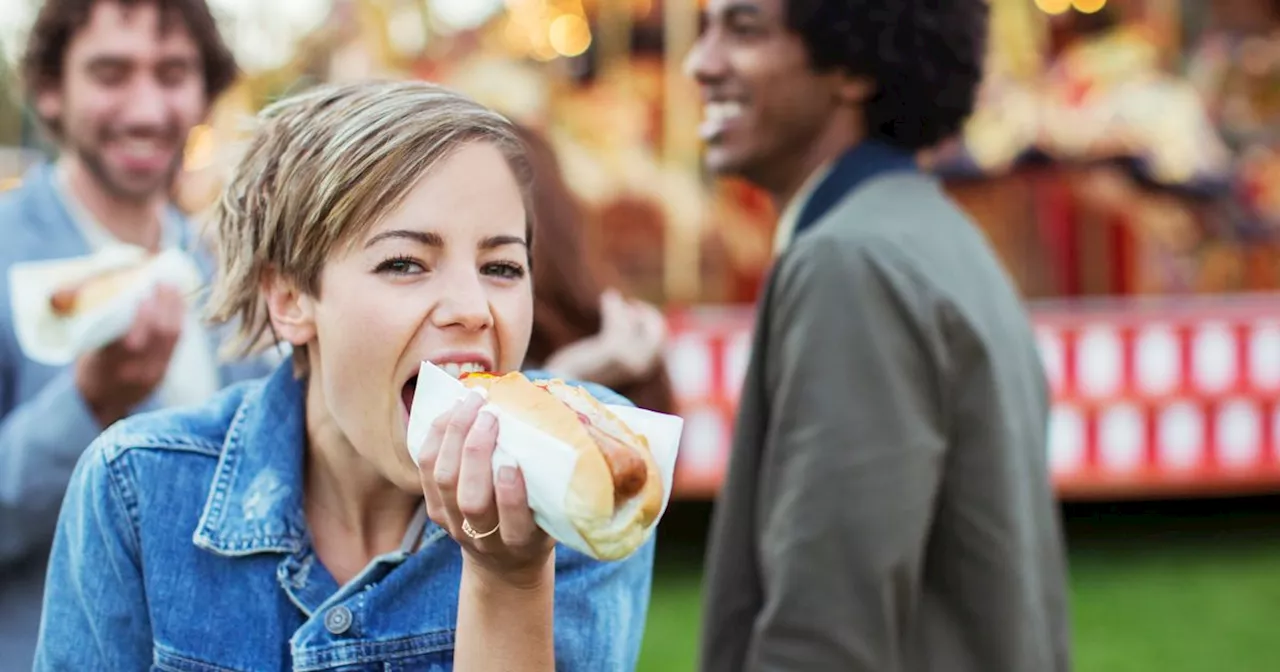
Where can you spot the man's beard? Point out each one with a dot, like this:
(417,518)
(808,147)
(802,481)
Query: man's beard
(121,189)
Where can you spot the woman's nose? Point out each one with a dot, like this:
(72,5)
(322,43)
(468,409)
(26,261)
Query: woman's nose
(464,304)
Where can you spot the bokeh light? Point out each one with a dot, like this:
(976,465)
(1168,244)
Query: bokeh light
(569,35)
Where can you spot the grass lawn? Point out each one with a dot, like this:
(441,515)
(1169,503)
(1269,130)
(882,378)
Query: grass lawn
(1163,587)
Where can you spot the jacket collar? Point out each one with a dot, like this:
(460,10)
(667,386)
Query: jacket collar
(53,222)
(861,163)
(255,497)
(46,215)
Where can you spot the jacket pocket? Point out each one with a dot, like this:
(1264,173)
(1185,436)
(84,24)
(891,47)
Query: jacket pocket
(168,661)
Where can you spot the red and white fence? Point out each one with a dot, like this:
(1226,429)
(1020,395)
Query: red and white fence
(1150,399)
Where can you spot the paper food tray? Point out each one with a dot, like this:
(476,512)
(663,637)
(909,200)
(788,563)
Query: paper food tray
(56,341)
(546,462)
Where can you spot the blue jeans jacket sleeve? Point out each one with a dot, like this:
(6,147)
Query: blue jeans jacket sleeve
(40,442)
(95,611)
(601,606)
(600,610)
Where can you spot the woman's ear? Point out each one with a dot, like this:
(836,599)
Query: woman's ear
(292,311)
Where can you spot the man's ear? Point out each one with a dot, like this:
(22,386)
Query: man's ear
(292,311)
(853,90)
(49,103)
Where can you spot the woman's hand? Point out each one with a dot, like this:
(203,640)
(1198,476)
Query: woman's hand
(634,333)
(491,521)
(629,345)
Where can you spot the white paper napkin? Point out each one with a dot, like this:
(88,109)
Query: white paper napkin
(56,341)
(546,462)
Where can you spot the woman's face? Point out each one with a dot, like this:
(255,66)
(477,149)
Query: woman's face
(443,278)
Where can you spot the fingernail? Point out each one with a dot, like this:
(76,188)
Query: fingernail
(486,420)
(507,475)
(474,398)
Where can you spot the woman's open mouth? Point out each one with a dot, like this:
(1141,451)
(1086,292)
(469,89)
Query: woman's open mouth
(406,396)
(455,369)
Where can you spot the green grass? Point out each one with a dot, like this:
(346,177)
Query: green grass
(1190,587)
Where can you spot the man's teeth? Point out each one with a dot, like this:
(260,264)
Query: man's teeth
(721,111)
(715,116)
(456,369)
(140,148)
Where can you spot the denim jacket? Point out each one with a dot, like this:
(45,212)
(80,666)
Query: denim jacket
(182,545)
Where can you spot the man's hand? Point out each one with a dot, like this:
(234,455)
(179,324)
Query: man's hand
(122,374)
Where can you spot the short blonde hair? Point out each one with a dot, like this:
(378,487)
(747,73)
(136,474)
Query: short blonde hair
(323,167)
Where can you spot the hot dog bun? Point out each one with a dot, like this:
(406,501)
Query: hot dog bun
(613,520)
(88,293)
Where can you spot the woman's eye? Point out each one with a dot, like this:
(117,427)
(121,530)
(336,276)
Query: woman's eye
(400,266)
(505,270)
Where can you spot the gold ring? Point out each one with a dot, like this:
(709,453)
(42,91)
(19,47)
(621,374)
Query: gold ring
(471,531)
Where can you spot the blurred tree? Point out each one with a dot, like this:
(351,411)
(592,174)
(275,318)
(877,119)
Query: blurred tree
(10,104)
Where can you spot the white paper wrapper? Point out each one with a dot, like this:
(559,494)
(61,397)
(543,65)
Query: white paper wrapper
(56,341)
(546,462)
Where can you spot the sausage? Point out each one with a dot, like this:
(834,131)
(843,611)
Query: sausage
(63,301)
(626,467)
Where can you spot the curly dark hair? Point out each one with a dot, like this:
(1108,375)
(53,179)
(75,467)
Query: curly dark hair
(59,20)
(925,57)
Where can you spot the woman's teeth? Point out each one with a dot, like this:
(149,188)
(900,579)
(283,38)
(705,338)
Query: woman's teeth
(456,369)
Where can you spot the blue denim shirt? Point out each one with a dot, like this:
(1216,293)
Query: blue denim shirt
(182,545)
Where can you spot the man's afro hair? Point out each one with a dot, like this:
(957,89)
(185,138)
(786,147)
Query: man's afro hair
(924,56)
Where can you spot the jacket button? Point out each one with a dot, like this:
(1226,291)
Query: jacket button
(338,620)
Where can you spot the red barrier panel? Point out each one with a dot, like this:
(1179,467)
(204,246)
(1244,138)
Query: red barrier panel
(1164,398)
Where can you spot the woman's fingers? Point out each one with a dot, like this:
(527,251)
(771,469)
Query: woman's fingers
(518,527)
(614,318)
(427,466)
(475,477)
(651,321)
(449,460)
(456,470)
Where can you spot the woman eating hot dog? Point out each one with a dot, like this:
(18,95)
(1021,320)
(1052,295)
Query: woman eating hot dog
(284,525)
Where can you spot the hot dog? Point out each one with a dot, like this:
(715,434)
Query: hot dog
(87,293)
(616,491)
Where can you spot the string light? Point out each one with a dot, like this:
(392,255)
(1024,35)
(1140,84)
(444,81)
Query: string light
(1056,7)
(1053,7)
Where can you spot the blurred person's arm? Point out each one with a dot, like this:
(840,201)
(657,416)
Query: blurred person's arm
(851,462)
(42,438)
(40,441)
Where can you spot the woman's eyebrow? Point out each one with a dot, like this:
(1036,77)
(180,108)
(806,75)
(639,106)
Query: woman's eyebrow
(428,238)
(433,239)
(499,241)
